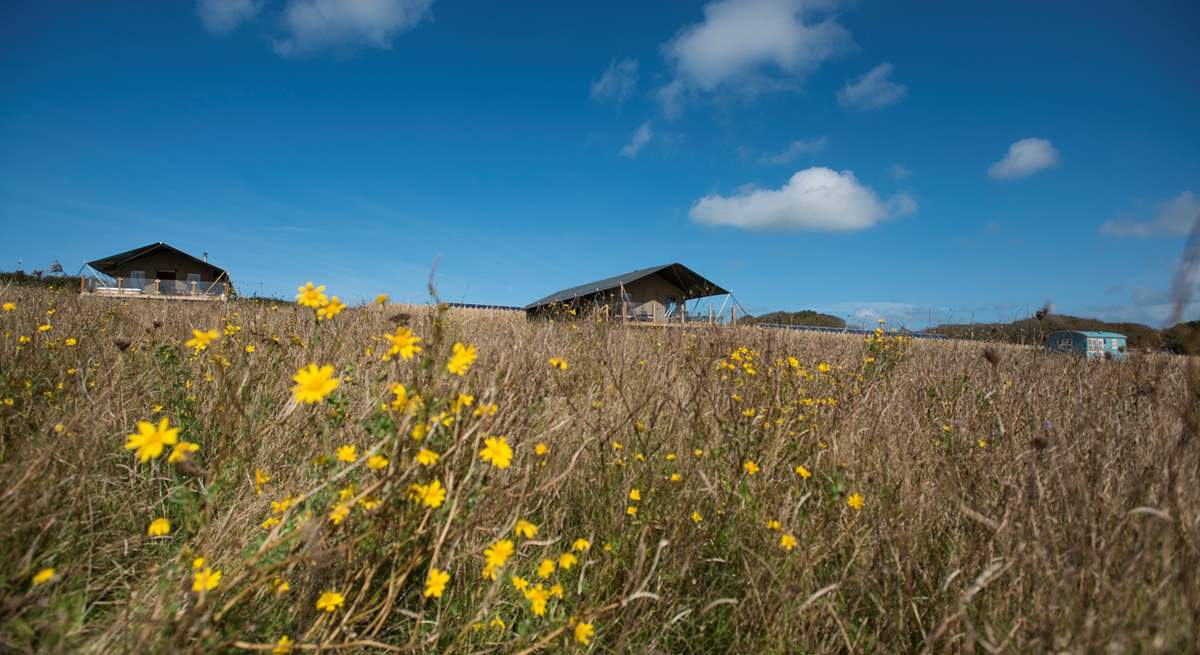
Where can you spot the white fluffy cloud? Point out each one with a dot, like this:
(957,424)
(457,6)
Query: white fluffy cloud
(751,44)
(1024,158)
(873,90)
(795,149)
(617,83)
(815,198)
(641,137)
(316,24)
(1173,217)
(223,16)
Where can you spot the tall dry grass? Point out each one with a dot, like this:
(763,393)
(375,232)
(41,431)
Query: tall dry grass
(1014,502)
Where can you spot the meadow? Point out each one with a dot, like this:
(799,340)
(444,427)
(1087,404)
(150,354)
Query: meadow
(175,477)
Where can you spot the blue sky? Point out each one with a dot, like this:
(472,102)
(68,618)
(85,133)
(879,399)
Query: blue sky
(947,160)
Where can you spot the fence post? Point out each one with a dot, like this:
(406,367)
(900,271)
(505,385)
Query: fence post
(120,283)
(193,287)
(81,283)
(733,315)
(157,287)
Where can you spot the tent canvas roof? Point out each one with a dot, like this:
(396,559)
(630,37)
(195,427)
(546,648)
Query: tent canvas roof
(108,265)
(692,283)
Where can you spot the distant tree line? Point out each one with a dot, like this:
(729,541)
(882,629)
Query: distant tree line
(804,317)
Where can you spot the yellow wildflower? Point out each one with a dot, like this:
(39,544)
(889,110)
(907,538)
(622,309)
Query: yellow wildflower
(558,363)
(634,494)
(541,449)
(8,306)
(150,439)
(347,453)
(435,583)
(696,517)
(631,511)
(381,299)
(313,383)
(431,495)
(460,362)
(537,597)
(339,513)
(311,296)
(181,451)
(525,529)
(519,583)
(566,561)
(546,568)
(584,632)
(330,310)
(497,451)
(70,341)
(159,527)
(750,467)
(260,479)
(45,327)
(377,462)
(42,577)
(330,601)
(787,541)
(201,340)
(581,545)
(404,343)
(283,646)
(855,501)
(205,579)
(803,472)
(426,457)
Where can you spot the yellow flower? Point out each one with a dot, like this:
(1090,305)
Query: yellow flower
(150,439)
(311,296)
(70,341)
(201,340)
(281,585)
(556,591)
(525,529)
(803,472)
(558,363)
(537,597)
(855,501)
(546,568)
(773,524)
(59,428)
(269,523)
(460,362)
(260,479)
(205,579)
(313,383)
(381,299)
(198,563)
(250,349)
(431,495)
(696,517)
(566,561)
(283,646)
(541,449)
(631,510)
(584,632)
(330,601)
(377,462)
(8,306)
(983,443)
(519,583)
(698,452)
(347,453)
(404,343)
(634,494)
(823,367)
(45,327)
(750,467)
(495,556)
(334,308)
(370,503)
(496,451)
(281,506)
(42,577)
(581,545)
(159,527)
(497,622)
(181,451)
(787,541)
(435,583)
(339,513)
(675,477)
(426,457)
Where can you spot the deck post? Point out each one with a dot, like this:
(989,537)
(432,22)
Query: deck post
(120,283)
(733,315)
(82,284)
(193,287)
(710,316)
(157,287)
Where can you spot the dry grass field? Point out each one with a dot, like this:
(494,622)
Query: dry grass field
(649,490)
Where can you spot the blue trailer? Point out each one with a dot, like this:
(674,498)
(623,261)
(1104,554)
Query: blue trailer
(1093,345)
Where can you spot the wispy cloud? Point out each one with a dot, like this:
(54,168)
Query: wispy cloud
(224,16)
(815,198)
(1024,158)
(795,149)
(749,46)
(617,83)
(641,137)
(873,90)
(312,25)
(1173,217)
(899,172)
